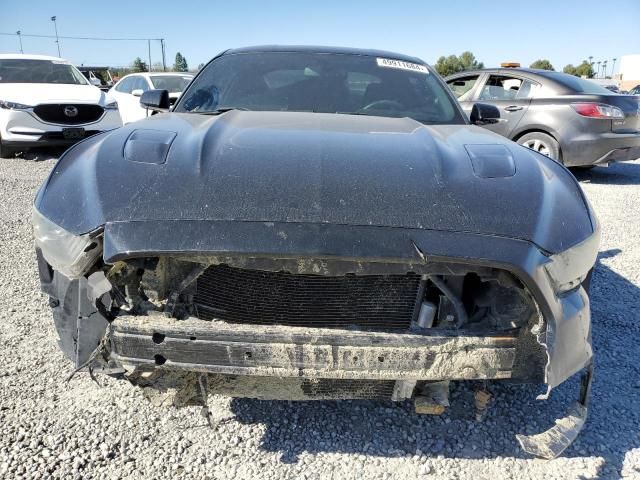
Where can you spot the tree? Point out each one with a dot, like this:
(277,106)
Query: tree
(181,63)
(542,64)
(452,64)
(585,69)
(139,65)
(200,66)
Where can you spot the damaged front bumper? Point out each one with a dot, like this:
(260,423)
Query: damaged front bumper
(145,343)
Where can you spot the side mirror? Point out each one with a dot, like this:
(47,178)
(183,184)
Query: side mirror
(157,100)
(484,114)
(137,92)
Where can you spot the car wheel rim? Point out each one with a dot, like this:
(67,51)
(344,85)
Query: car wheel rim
(539,146)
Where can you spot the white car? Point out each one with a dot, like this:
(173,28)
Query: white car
(128,90)
(47,101)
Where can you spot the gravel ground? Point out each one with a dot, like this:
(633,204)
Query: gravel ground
(53,429)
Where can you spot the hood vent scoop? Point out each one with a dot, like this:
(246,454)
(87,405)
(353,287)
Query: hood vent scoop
(491,161)
(148,146)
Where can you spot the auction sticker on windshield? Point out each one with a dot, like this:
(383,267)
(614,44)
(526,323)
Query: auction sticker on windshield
(391,63)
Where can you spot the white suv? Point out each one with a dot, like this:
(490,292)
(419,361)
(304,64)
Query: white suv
(47,101)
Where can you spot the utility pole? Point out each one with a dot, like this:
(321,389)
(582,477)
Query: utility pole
(20,39)
(164,63)
(55,25)
(149,47)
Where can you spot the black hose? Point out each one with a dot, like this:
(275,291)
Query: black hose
(461,312)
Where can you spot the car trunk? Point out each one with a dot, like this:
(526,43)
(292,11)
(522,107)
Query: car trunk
(629,105)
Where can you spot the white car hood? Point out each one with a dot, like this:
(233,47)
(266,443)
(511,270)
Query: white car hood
(37,93)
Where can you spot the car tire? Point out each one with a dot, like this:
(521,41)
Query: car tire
(542,143)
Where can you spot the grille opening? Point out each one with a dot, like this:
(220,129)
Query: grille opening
(259,297)
(80,113)
(348,389)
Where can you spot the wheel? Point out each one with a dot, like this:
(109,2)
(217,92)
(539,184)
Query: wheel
(541,143)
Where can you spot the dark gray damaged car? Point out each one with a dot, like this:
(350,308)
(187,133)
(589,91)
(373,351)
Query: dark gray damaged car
(315,223)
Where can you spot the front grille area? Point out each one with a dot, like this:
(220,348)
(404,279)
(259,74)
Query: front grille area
(235,295)
(338,389)
(55,113)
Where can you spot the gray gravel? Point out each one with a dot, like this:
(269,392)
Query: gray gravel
(53,429)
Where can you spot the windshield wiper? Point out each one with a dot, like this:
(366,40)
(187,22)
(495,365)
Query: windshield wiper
(221,110)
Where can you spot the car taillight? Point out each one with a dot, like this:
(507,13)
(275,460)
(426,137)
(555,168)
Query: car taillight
(597,110)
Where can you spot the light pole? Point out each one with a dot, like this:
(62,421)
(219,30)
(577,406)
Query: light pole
(20,40)
(55,25)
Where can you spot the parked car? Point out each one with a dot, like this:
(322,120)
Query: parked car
(314,222)
(46,101)
(129,89)
(635,90)
(98,76)
(567,118)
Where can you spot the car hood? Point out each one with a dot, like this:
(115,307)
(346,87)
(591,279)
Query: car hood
(37,93)
(316,168)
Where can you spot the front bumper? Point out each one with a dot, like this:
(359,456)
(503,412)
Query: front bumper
(19,128)
(282,351)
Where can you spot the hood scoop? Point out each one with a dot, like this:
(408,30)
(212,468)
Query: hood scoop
(148,146)
(491,161)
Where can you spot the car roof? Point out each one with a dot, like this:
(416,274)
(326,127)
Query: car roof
(25,56)
(160,74)
(324,49)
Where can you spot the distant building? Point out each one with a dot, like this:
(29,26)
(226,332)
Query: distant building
(629,72)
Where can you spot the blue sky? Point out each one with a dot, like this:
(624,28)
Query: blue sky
(564,31)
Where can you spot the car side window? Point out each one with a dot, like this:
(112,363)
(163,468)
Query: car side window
(527,90)
(125,86)
(140,83)
(462,87)
(501,87)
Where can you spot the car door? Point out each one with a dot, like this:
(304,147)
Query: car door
(464,89)
(122,94)
(140,85)
(511,94)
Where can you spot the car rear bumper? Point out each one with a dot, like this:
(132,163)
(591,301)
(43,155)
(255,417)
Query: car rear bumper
(600,148)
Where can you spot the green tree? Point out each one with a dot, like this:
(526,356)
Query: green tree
(453,64)
(200,66)
(542,64)
(139,65)
(585,69)
(180,64)
(570,69)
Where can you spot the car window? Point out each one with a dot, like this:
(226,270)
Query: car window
(527,90)
(501,87)
(126,85)
(325,83)
(17,70)
(577,84)
(462,87)
(172,83)
(140,83)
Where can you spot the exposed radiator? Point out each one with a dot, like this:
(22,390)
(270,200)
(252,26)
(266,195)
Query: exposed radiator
(235,295)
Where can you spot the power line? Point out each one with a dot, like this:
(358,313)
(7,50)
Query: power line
(82,38)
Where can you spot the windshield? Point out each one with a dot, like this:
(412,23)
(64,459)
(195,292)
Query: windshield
(579,85)
(15,70)
(321,82)
(173,83)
